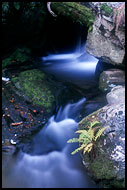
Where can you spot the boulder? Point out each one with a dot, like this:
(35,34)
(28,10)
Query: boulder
(104,44)
(28,100)
(116,95)
(107,167)
(111,78)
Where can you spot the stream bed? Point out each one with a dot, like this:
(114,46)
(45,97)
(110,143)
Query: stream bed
(49,163)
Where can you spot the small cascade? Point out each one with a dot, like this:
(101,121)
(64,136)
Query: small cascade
(50,164)
(77,67)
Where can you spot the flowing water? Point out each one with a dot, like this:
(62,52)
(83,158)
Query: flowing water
(77,67)
(50,164)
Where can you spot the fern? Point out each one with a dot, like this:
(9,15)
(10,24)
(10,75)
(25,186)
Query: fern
(73,140)
(87,138)
(88,148)
(99,133)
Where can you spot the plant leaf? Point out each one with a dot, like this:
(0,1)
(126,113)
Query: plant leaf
(88,148)
(73,140)
(99,133)
(94,123)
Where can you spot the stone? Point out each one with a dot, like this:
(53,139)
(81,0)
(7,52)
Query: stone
(117,95)
(107,167)
(111,78)
(27,103)
(103,44)
(74,11)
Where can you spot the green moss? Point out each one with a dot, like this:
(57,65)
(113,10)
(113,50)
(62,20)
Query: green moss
(108,10)
(74,11)
(17,57)
(34,85)
(14,79)
(118,184)
(102,168)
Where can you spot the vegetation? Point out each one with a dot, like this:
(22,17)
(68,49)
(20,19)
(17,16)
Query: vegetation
(74,11)
(21,55)
(87,138)
(108,10)
(33,83)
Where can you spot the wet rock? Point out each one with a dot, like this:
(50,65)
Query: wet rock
(104,44)
(27,106)
(111,78)
(116,95)
(35,88)
(107,166)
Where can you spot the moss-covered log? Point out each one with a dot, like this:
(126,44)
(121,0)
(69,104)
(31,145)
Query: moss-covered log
(74,11)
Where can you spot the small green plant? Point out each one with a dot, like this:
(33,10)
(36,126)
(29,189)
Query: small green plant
(108,10)
(87,138)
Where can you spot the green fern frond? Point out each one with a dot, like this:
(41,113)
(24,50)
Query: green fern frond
(91,133)
(73,140)
(99,133)
(80,131)
(88,137)
(78,149)
(94,123)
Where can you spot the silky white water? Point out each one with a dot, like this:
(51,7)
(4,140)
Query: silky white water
(77,67)
(50,164)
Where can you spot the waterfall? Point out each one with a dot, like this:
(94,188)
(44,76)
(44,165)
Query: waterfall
(77,67)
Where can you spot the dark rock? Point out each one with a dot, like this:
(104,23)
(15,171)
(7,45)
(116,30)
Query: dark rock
(111,78)
(23,112)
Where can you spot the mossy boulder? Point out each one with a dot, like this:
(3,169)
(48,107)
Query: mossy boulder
(74,11)
(20,55)
(34,85)
(106,162)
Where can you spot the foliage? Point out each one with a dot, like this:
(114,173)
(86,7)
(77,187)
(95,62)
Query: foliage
(108,10)
(33,83)
(74,11)
(19,56)
(87,138)
(17,5)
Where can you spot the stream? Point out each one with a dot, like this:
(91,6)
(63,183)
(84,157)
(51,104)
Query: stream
(50,163)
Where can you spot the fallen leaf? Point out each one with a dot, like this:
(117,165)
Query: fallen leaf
(12,100)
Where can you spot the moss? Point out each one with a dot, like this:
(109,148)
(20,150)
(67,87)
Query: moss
(108,10)
(17,57)
(118,184)
(102,168)
(14,79)
(74,11)
(34,85)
